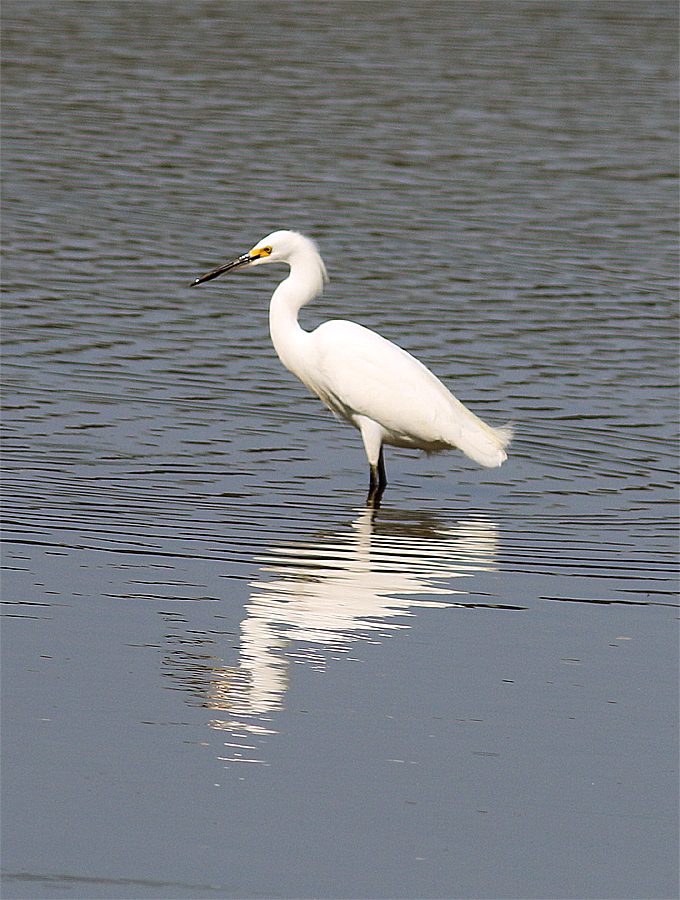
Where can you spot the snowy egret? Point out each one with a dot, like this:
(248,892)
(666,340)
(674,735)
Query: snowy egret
(364,379)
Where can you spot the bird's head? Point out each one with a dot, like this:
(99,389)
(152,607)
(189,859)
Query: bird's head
(279,246)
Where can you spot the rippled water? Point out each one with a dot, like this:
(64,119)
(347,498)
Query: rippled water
(222,675)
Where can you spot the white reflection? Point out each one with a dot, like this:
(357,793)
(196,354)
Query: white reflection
(319,596)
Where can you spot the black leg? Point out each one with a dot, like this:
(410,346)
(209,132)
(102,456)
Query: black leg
(377,483)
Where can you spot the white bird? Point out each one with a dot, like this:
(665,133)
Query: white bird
(364,379)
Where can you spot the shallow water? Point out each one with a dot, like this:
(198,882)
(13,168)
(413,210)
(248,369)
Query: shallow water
(222,675)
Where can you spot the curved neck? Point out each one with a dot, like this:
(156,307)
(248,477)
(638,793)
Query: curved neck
(304,282)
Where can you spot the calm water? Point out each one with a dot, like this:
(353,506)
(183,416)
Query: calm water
(222,676)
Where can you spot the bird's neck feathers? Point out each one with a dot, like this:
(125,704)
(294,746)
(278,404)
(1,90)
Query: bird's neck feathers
(304,283)
(306,279)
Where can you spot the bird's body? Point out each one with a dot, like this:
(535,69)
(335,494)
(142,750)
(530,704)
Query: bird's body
(364,379)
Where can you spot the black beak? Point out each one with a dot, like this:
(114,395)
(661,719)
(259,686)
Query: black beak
(237,263)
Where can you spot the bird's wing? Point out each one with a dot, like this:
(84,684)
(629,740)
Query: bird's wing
(370,376)
(358,372)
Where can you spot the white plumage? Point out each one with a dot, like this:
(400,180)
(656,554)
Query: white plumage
(368,381)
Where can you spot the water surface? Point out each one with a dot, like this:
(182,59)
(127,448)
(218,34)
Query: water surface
(223,675)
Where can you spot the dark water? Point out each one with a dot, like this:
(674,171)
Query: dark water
(222,677)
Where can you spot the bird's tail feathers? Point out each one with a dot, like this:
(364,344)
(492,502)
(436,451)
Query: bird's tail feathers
(504,433)
(484,444)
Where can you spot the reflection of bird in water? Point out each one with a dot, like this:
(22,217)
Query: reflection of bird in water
(382,390)
(319,596)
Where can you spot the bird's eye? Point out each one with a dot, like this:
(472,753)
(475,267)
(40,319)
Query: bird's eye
(265,251)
